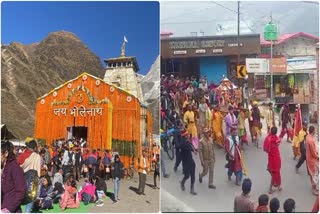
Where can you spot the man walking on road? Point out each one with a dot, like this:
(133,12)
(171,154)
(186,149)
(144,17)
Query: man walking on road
(312,160)
(233,156)
(188,164)
(270,118)
(301,138)
(207,157)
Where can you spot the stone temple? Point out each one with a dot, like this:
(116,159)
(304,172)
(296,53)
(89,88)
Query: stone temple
(122,72)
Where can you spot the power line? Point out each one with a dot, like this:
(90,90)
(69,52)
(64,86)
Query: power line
(225,7)
(202,21)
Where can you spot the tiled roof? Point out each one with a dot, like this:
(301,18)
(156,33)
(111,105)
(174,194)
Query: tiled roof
(286,37)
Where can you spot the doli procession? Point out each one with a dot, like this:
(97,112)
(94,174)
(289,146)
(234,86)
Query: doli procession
(200,117)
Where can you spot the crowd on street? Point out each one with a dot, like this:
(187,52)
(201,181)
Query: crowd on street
(205,117)
(64,174)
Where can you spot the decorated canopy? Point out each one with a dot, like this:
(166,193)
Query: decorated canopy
(110,116)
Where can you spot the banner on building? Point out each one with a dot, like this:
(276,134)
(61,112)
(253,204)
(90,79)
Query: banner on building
(302,63)
(255,65)
(278,65)
(261,94)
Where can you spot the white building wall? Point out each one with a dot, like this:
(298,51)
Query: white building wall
(298,46)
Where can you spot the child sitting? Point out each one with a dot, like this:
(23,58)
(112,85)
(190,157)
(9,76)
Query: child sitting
(69,199)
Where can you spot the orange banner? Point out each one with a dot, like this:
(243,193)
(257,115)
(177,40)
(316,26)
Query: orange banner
(279,65)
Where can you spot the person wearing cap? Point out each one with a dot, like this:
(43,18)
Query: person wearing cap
(233,156)
(30,160)
(301,138)
(207,157)
(270,118)
(255,117)
(188,164)
(143,169)
(230,120)
(217,119)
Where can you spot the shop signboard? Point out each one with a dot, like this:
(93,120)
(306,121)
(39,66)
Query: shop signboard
(255,65)
(302,63)
(223,45)
(261,94)
(278,65)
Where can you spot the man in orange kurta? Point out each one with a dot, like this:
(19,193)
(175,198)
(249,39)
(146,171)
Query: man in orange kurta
(312,160)
(143,169)
(217,119)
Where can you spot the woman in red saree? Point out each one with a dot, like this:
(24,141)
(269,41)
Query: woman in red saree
(271,146)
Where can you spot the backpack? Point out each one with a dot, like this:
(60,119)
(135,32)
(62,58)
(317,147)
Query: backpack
(32,180)
(56,159)
(106,161)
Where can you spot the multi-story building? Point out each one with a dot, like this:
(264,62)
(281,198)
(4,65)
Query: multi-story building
(294,71)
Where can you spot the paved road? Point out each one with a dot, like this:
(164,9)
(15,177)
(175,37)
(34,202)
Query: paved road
(296,186)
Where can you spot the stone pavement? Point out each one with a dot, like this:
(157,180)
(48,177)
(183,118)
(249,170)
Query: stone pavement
(130,202)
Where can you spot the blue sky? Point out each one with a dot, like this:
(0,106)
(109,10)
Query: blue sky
(100,25)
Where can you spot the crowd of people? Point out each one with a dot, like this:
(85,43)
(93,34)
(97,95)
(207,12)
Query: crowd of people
(197,113)
(64,174)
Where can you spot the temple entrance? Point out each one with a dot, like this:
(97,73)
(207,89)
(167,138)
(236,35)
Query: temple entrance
(77,132)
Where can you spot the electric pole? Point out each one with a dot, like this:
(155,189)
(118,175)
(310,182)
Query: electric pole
(238,60)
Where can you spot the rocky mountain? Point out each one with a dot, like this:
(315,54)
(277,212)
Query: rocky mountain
(30,71)
(151,91)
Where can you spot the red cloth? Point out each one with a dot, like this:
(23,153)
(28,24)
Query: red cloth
(24,156)
(236,163)
(315,208)
(271,145)
(262,209)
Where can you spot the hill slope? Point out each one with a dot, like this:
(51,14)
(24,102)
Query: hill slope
(30,71)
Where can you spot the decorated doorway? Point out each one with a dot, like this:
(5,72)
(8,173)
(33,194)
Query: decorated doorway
(77,132)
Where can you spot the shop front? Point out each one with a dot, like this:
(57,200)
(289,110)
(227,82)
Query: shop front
(214,56)
(293,81)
